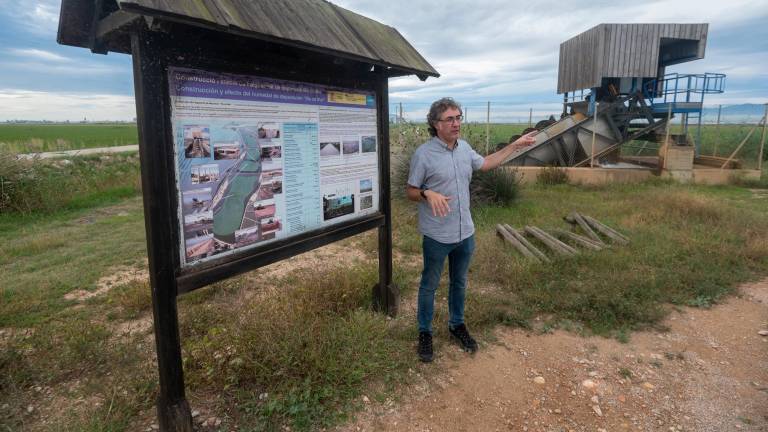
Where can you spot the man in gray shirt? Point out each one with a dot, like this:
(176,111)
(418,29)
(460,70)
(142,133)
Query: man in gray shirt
(439,177)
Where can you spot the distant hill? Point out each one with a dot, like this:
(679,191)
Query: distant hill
(743,113)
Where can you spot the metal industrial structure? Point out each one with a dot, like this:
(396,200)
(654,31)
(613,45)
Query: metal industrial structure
(615,90)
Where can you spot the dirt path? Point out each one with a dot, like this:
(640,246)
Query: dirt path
(80,152)
(708,372)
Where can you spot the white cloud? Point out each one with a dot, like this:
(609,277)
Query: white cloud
(38,54)
(39,17)
(83,69)
(508,50)
(19,104)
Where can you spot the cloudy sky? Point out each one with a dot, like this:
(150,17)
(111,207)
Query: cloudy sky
(501,51)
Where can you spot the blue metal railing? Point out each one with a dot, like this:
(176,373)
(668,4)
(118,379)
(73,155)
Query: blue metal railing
(684,93)
(675,87)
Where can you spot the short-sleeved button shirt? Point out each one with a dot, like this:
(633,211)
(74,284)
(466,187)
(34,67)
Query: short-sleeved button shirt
(436,167)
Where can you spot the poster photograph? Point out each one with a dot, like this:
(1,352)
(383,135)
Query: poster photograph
(261,159)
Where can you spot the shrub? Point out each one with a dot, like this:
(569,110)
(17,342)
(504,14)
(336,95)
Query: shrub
(15,175)
(40,185)
(498,186)
(549,176)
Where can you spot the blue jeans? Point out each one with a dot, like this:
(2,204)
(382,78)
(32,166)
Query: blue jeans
(459,255)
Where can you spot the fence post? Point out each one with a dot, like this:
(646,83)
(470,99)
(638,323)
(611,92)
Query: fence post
(717,129)
(488,128)
(594,136)
(762,140)
(666,135)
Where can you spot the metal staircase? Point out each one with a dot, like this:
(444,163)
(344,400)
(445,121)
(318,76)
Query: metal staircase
(683,94)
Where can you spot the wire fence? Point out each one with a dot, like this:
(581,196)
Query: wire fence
(735,132)
(525,113)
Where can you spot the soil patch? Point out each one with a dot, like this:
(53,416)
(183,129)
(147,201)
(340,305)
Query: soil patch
(707,372)
(118,277)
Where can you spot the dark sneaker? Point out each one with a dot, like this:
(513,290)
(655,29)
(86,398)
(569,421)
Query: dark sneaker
(462,335)
(425,347)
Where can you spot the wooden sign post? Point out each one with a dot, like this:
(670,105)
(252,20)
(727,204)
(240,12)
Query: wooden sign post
(254,147)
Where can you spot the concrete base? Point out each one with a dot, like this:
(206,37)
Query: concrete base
(529,175)
(714,176)
(682,176)
(678,158)
(597,176)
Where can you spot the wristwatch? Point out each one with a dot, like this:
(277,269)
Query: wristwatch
(423,195)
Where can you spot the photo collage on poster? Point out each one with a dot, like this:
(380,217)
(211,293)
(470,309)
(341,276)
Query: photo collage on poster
(345,191)
(235,179)
(254,164)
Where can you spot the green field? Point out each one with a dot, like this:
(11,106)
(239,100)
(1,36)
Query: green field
(30,138)
(33,138)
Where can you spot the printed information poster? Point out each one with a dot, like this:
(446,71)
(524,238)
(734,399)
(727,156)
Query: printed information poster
(262,159)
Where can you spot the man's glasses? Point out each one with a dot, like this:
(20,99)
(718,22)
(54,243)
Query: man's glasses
(456,119)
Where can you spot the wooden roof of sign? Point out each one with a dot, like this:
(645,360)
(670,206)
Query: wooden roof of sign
(626,51)
(315,25)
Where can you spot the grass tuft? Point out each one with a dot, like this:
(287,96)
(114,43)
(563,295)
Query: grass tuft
(550,176)
(495,187)
(310,348)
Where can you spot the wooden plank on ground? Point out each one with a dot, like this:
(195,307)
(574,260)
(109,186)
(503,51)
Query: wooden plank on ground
(583,241)
(548,242)
(527,244)
(575,218)
(607,231)
(501,231)
(552,238)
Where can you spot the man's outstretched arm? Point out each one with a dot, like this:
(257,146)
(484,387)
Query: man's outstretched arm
(495,159)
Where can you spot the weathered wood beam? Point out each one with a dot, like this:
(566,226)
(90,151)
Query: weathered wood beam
(583,241)
(548,242)
(606,230)
(112,23)
(527,244)
(553,239)
(502,232)
(575,218)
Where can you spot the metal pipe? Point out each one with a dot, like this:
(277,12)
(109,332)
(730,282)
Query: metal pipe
(594,136)
(565,107)
(666,137)
(717,130)
(488,128)
(762,140)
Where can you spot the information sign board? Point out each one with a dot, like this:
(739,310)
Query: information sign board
(260,159)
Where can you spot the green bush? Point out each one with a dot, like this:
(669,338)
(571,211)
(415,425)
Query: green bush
(14,176)
(492,187)
(43,186)
(498,186)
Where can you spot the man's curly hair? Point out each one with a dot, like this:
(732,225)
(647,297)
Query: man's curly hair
(437,109)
